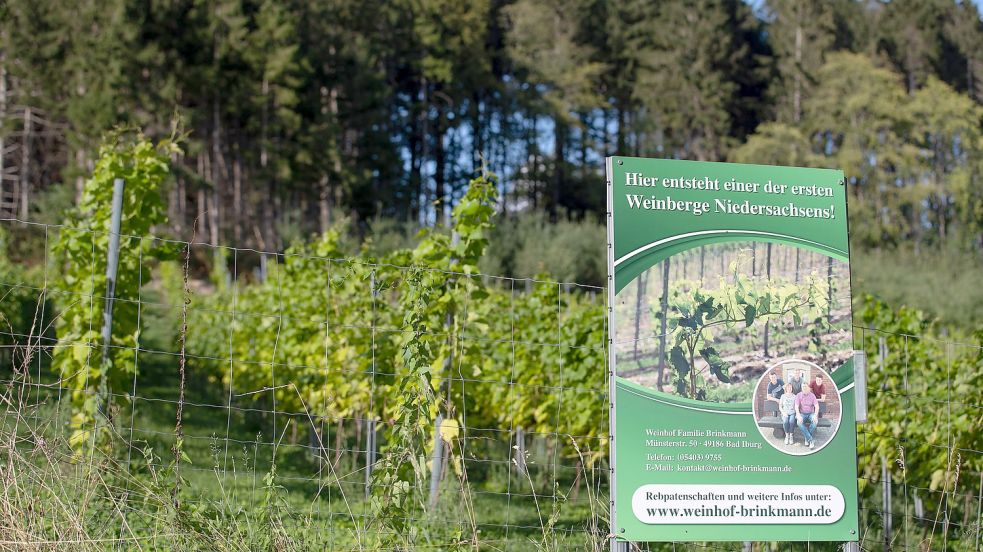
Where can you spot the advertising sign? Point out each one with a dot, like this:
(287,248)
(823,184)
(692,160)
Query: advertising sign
(731,347)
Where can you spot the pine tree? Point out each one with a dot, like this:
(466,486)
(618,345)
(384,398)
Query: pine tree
(700,64)
(545,42)
(800,34)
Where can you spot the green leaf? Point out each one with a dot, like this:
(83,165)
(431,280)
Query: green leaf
(749,313)
(677,357)
(718,367)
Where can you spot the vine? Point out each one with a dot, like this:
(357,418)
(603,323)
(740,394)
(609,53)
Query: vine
(695,314)
(432,297)
(80,252)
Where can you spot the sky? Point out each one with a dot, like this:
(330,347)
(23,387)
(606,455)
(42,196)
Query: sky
(758,4)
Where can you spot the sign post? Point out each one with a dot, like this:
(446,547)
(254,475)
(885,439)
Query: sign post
(731,379)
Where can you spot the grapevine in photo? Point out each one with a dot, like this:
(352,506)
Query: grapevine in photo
(706,323)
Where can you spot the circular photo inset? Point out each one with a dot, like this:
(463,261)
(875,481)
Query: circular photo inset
(797,407)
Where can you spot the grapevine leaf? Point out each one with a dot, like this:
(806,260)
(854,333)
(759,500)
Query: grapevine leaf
(749,313)
(706,310)
(688,321)
(718,367)
(678,360)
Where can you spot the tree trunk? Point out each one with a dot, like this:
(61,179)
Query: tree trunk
(585,168)
(767,323)
(338,442)
(664,309)
(324,204)
(692,373)
(703,256)
(25,165)
(81,162)
(559,145)
(797,92)
(237,209)
(425,200)
(264,122)
(3,109)
(414,209)
(477,131)
(441,206)
(797,263)
(639,296)
(829,289)
(622,130)
(201,204)
(218,171)
(182,203)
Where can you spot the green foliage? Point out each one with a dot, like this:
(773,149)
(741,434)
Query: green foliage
(403,336)
(903,277)
(527,243)
(434,296)
(697,315)
(80,252)
(921,373)
(19,305)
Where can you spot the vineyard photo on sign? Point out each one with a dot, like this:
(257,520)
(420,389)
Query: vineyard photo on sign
(731,349)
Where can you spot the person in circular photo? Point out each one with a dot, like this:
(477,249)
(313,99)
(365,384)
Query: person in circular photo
(797,407)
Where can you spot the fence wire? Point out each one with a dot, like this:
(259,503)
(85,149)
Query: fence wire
(249,406)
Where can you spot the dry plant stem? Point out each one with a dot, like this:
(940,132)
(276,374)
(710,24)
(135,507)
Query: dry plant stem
(466,495)
(182,340)
(539,512)
(942,500)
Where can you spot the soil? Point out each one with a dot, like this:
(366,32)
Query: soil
(748,366)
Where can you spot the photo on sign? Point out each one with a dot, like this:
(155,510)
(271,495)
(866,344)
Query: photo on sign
(706,323)
(797,407)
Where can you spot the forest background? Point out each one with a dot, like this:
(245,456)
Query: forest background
(331,132)
(298,115)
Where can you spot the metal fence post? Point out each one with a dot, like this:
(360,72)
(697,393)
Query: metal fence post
(112,263)
(437,465)
(520,451)
(860,385)
(369,455)
(436,461)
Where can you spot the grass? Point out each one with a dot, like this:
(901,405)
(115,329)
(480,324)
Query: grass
(312,500)
(943,283)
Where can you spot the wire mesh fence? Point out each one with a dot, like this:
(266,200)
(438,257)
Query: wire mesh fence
(250,399)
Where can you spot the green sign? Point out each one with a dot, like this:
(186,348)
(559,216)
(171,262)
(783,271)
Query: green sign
(731,346)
